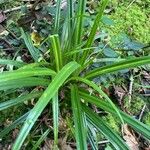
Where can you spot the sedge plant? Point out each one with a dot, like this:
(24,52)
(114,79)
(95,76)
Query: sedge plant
(68,69)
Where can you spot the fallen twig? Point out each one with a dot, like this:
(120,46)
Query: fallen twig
(131,3)
(15,9)
(142,111)
(130,88)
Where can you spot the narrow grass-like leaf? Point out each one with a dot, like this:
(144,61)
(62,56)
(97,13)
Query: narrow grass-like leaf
(57,51)
(57,16)
(70,14)
(127,64)
(18,100)
(98,89)
(12,62)
(64,36)
(136,124)
(35,53)
(80,133)
(113,137)
(93,30)
(101,60)
(55,106)
(25,82)
(48,94)
(41,139)
(70,41)
(13,125)
(7,76)
(79,23)
(77,51)
(34,65)
(92,140)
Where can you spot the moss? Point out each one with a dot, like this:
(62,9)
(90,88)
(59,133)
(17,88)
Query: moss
(133,21)
(146,119)
(110,121)
(135,106)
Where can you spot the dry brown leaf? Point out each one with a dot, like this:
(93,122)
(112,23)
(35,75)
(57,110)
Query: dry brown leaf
(120,92)
(2,17)
(147,148)
(130,138)
(62,144)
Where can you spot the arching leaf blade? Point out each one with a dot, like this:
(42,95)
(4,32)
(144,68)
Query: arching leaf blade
(48,94)
(136,124)
(126,64)
(78,117)
(113,137)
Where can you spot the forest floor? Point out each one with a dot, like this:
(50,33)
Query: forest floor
(125,26)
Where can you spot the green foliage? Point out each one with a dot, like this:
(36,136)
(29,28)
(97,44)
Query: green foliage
(112,122)
(132,21)
(71,72)
(135,106)
(146,119)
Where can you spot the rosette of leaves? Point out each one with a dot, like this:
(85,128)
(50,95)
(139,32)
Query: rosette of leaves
(68,69)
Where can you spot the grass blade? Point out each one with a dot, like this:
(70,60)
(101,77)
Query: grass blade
(7,76)
(48,94)
(96,121)
(57,16)
(79,22)
(57,51)
(25,82)
(37,64)
(55,106)
(12,62)
(80,133)
(70,15)
(35,53)
(41,139)
(127,64)
(93,30)
(92,140)
(13,125)
(70,23)
(98,89)
(136,124)
(18,100)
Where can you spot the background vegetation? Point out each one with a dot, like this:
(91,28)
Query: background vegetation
(29,42)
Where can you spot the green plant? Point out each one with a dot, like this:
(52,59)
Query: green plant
(68,69)
(133,21)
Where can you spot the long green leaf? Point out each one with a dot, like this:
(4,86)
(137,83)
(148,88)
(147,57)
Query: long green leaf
(41,139)
(57,51)
(127,64)
(48,94)
(35,53)
(12,62)
(70,14)
(77,51)
(55,105)
(80,133)
(18,100)
(137,125)
(7,76)
(34,65)
(25,82)
(79,23)
(57,16)
(91,138)
(13,125)
(93,30)
(70,21)
(114,138)
(98,89)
